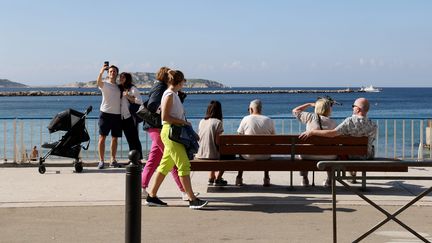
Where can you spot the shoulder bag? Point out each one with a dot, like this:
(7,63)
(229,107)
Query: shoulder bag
(151,118)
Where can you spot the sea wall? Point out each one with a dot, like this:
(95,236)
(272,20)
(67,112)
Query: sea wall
(95,93)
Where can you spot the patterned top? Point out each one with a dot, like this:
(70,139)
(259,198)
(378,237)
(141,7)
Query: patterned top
(358,126)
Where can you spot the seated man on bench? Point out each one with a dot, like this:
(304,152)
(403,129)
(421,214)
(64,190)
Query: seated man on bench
(255,124)
(358,125)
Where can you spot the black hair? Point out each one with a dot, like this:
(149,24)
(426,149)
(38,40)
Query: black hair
(214,110)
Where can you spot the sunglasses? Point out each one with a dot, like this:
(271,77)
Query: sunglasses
(356,106)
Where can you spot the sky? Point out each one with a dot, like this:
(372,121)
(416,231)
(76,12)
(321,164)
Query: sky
(240,43)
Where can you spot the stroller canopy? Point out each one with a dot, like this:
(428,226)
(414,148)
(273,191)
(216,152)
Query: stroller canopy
(64,120)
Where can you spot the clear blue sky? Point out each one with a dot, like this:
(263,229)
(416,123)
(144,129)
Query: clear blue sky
(237,42)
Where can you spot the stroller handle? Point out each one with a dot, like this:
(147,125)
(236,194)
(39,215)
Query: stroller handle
(89,109)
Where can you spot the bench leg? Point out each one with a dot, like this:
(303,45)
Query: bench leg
(291,187)
(313,178)
(363,186)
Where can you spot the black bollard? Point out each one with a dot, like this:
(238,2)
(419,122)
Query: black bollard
(133,199)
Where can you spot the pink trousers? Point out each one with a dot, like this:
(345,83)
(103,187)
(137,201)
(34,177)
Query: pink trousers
(154,158)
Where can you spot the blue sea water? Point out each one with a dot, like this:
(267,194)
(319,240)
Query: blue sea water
(401,115)
(390,103)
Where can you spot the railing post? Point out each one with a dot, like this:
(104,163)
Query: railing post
(412,139)
(23,150)
(394,139)
(386,138)
(403,139)
(4,141)
(96,151)
(420,149)
(14,142)
(377,150)
(133,199)
(429,131)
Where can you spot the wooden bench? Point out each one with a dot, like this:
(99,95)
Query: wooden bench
(284,149)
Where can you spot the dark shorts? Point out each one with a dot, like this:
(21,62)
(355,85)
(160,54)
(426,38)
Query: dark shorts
(110,122)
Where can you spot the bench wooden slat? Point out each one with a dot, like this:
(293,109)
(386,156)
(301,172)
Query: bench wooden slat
(329,150)
(277,164)
(289,139)
(286,149)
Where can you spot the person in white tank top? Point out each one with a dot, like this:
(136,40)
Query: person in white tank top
(174,153)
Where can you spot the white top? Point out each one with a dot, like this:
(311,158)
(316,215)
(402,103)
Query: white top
(124,106)
(177,110)
(110,98)
(256,125)
(312,123)
(207,131)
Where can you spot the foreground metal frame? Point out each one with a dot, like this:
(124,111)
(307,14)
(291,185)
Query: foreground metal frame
(338,169)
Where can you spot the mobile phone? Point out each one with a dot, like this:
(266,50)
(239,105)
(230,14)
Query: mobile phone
(106,65)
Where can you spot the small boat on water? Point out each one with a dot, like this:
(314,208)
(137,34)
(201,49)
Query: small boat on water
(370,88)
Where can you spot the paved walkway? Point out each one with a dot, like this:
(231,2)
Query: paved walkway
(62,206)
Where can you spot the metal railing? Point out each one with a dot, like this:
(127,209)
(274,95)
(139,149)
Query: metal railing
(402,138)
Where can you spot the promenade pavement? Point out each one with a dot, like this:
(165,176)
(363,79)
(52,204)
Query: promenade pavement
(63,206)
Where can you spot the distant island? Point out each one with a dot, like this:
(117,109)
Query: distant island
(6,83)
(147,80)
(141,80)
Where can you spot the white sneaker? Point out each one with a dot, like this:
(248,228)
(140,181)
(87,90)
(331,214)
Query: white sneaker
(185,197)
(144,193)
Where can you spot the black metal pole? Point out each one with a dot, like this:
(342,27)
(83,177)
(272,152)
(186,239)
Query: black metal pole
(133,199)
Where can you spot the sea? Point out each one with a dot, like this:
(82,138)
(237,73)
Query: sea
(389,103)
(402,115)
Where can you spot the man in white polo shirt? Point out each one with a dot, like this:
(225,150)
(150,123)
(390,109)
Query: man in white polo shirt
(109,118)
(255,124)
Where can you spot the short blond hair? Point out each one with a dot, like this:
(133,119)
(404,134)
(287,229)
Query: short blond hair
(323,107)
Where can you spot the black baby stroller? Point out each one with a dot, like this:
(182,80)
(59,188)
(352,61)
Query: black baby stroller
(73,122)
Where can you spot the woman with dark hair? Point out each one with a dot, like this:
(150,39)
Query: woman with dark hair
(174,153)
(157,147)
(209,130)
(129,94)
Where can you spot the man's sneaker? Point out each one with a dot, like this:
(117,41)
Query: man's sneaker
(101,165)
(144,193)
(185,197)
(220,182)
(197,203)
(239,181)
(115,164)
(155,201)
(211,181)
(305,181)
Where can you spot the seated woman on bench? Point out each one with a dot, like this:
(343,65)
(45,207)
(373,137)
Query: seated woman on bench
(209,130)
(319,120)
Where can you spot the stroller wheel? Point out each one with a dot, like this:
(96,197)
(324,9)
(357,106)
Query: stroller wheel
(78,167)
(42,169)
